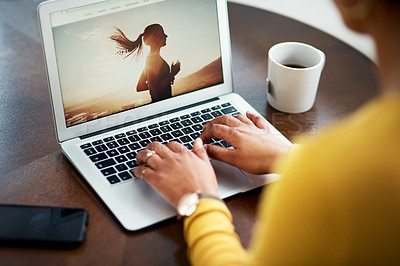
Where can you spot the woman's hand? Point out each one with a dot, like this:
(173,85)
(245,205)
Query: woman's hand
(175,68)
(173,171)
(255,148)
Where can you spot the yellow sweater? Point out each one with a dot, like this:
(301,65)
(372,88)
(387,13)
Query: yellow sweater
(337,202)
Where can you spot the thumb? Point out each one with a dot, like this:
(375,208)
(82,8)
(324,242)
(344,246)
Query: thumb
(220,153)
(199,150)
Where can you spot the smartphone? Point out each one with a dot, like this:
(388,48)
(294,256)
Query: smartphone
(42,226)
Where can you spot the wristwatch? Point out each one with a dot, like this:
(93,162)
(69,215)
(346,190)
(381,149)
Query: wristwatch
(187,205)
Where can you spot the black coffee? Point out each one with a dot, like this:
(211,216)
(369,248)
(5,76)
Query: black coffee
(294,66)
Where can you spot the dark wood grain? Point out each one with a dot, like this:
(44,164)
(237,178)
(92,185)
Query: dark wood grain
(34,171)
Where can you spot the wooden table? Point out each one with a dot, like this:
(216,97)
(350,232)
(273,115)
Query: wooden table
(34,171)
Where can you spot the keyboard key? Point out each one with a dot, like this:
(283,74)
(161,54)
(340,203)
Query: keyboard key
(112,153)
(153,126)
(177,133)
(131,132)
(195,113)
(217,107)
(108,139)
(112,145)
(101,148)
(226,104)
(142,129)
(134,146)
(187,130)
(108,171)
(125,175)
(156,138)
(131,155)
(226,144)
(167,137)
(97,142)
(196,119)
(163,123)
(195,135)
(184,117)
(85,146)
(218,144)
(123,141)
(144,135)
(134,138)
(216,113)
(166,129)
(90,151)
(113,179)
(176,126)
(144,143)
(105,163)
(229,110)
(197,127)
(121,135)
(207,117)
(98,157)
(185,139)
(123,149)
(155,132)
(173,120)
(206,110)
(121,167)
(121,158)
(132,164)
(186,123)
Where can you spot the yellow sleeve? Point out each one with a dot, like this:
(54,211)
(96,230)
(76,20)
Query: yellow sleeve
(210,236)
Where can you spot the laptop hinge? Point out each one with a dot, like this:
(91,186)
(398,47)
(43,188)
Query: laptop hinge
(147,118)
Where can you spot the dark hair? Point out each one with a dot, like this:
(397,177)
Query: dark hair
(124,44)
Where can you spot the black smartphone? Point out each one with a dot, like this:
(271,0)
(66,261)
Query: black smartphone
(42,226)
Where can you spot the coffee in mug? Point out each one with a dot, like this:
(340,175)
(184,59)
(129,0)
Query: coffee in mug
(294,71)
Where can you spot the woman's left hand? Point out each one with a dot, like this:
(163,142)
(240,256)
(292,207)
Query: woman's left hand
(173,171)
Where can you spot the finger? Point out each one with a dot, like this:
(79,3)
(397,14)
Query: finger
(243,119)
(221,154)
(227,120)
(229,134)
(176,146)
(199,149)
(159,148)
(257,120)
(144,156)
(143,172)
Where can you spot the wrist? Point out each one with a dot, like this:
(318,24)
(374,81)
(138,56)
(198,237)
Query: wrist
(188,203)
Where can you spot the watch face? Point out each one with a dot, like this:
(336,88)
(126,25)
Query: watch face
(188,204)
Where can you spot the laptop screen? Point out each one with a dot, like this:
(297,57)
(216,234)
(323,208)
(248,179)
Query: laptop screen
(117,55)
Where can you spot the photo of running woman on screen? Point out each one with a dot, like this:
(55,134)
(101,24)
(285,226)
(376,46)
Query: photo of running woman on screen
(157,76)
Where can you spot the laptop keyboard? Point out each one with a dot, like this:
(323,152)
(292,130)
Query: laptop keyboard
(115,156)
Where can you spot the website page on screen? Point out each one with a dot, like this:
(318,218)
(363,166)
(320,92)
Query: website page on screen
(117,55)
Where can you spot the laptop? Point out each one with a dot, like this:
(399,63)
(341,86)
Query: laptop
(111,96)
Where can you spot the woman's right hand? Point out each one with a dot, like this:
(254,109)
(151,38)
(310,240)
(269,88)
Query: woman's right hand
(175,68)
(255,149)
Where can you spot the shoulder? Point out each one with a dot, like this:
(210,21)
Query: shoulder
(354,161)
(344,183)
(154,60)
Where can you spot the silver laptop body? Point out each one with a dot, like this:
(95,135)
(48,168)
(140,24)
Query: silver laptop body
(101,118)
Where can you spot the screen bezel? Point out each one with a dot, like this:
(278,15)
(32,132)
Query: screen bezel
(64,133)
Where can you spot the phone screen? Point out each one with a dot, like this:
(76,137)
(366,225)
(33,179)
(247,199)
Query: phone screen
(42,226)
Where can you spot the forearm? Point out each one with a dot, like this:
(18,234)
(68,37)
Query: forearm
(210,236)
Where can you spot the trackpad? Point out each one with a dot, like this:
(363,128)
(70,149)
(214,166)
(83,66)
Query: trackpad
(231,180)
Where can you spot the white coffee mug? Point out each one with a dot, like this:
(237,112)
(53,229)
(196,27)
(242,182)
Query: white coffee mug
(294,70)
